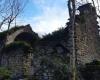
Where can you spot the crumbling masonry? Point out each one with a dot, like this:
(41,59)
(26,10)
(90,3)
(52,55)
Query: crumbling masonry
(87,35)
(59,45)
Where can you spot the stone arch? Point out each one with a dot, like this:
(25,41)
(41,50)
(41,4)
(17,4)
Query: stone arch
(25,36)
(11,37)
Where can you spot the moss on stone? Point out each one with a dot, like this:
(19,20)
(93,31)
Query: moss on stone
(5,73)
(91,71)
(17,45)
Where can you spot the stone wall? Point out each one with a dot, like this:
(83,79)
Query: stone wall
(86,35)
(11,37)
(17,61)
(53,53)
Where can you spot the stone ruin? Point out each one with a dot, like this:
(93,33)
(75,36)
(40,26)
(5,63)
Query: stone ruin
(87,35)
(86,42)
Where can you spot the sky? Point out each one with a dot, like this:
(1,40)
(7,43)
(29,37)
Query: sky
(44,16)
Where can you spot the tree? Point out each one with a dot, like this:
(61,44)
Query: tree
(96,4)
(71,7)
(9,10)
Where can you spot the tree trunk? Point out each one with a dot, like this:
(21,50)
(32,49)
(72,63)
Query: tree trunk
(71,7)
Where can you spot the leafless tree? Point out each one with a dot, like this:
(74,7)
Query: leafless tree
(72,10)
(9,10)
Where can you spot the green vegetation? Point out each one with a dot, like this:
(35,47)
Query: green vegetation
(61,73)
(82,18)
(53,65)
(16,45)
(91,71)
(15,28)
(5,73)
(57,35)
(3,35)
(12,30)
(60,69)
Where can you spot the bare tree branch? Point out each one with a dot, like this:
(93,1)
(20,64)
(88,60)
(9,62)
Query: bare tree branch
(9,10)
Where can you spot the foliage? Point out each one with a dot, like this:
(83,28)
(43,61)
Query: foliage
(82,18)
(61,73)
(15,45)
(60,70)
(3,35)
(12,30)
(91,71)
(54,66)
(5,73)
(56,35)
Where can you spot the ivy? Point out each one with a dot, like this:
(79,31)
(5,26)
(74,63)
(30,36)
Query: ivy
(16,45)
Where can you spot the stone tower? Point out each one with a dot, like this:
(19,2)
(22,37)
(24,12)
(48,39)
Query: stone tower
(86,34)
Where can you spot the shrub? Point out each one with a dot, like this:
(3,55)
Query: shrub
(5,73)
(57,35)
(91,71)
(3,35)
(16,45)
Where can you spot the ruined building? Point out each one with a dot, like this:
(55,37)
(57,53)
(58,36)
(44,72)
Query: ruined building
(87,34)
(24,53)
